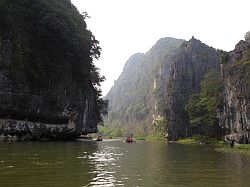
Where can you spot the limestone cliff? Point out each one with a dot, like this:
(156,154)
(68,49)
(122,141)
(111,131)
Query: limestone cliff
(193,60)
(160,83)
(47,76)
(235,117)
(139,93)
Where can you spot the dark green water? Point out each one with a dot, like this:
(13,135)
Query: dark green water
(115,163)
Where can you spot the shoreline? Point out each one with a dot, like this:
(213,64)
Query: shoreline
(220,146)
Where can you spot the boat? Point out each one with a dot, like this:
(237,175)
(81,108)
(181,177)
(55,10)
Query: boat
(99,138)
(129,140)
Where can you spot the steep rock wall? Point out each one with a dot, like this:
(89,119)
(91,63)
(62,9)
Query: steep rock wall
(235,117)
(193,60)
(139,94)
(45,70)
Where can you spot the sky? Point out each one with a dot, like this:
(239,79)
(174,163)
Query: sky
(126,27)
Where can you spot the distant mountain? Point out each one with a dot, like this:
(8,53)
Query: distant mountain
(139,94)
(184,88)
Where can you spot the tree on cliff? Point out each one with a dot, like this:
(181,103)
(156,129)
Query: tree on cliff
(202,108)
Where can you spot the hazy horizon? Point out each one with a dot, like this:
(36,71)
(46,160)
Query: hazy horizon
(128,27)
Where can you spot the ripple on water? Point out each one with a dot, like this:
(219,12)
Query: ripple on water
(103,179)
(82,157)
(104,161)
(148,164)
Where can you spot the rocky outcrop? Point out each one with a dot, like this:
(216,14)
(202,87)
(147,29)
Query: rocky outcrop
(193,60)
(46,81)
(139,94)
(235,116)
(24,130)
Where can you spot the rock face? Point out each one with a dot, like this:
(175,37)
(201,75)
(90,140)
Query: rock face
(193,60)
(139,94)
(160,83)
(46,88)
(235,117)
(24,130)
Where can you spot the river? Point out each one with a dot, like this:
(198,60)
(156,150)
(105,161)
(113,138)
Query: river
(115,163)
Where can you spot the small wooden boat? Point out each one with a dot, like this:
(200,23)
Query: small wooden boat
(129,140)
(99,138)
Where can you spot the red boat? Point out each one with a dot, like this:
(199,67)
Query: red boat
(129,140)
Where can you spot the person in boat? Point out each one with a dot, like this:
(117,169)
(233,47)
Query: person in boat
(232,143)
(99,138)
(129,139)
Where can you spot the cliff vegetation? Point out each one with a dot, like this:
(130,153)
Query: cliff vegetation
(47,73)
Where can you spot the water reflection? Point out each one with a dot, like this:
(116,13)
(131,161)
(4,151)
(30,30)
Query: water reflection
(105,162)
(163,164)
(45,164)
(115,163)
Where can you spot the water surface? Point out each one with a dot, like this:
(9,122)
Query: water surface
(115,163)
